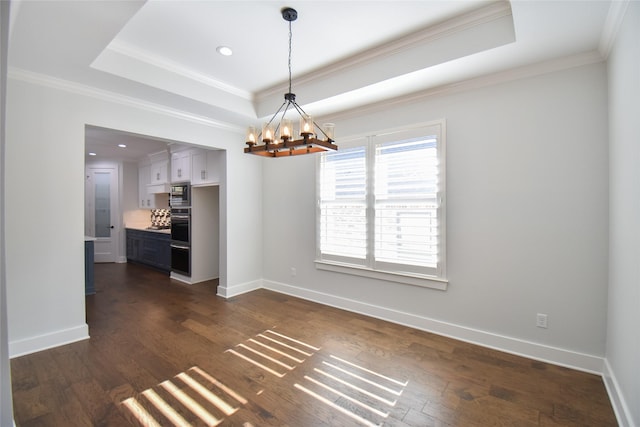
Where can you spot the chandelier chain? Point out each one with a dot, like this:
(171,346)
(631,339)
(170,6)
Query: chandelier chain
(289,62)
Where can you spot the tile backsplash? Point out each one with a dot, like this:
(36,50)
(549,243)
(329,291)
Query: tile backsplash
(160,218)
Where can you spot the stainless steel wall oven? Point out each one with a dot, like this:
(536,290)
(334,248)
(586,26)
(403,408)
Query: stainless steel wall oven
(181,241)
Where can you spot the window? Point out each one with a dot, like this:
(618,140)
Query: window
(381,207)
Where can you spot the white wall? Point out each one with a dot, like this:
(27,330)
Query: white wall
(623,339)
(129,185)
(527,181)
(131,214)
(45,169)
(205,232)
(6,401)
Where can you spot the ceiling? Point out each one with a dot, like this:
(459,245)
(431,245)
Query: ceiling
(345,54)
(106,145)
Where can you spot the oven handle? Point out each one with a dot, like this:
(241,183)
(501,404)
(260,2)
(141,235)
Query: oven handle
(173,245)
(174,216)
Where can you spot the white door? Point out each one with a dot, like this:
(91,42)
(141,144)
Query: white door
(101,215)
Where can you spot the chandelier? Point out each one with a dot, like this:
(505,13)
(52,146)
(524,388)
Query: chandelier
(277,136)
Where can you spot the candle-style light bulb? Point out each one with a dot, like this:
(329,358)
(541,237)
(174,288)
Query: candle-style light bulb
(286,128)
(251,135)
(329,129)
(267,133)
(306,125)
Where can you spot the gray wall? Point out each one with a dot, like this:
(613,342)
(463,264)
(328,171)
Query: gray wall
(623,338)
(6,402)
(45,154)
(527,219)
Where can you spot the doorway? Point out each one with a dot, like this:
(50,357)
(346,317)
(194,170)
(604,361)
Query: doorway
(102,210)
(127,154)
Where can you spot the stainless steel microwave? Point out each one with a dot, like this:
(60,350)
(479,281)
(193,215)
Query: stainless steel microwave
(180,195)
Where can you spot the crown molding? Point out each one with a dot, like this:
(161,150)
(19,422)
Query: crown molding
(491,12)
(555,65)
(104,95)
(533,70)
(617,11)
(136,54)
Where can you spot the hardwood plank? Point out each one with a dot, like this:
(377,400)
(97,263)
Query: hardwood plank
(154,338)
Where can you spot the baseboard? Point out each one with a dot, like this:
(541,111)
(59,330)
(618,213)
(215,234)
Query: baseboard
(620,407)
(554,355)
(47,341)
(203,279)
(189,280)
(232,291)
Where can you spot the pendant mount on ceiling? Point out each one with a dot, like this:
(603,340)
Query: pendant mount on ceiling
(289,14)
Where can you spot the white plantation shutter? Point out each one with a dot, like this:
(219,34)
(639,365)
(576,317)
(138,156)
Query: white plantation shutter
(380,205)
(343,205)
(406,217)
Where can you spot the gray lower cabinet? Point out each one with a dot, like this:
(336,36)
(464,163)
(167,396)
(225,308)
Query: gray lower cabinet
(149,248)
(89,285)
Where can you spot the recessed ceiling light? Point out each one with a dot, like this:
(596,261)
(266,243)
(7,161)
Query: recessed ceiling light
(92,154)
(122,145)
(224,50)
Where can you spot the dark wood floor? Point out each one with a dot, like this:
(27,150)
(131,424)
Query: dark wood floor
(163,353)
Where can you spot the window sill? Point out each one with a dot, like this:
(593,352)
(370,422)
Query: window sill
(431,282)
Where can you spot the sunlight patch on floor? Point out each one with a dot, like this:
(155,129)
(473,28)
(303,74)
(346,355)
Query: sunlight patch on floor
(274,352)
(165,409)
(360,393)
(364,395)
(190,403)
(190,397)
(140,414)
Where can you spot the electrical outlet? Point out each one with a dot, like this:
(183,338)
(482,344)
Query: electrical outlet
(541,320)
(293,272)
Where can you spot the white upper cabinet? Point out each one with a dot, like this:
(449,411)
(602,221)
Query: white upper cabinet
(153,181)
(205,166)
(159,168)
(145,200)
(181,166)
(151,196)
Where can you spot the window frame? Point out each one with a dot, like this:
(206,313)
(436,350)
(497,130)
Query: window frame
(367,269)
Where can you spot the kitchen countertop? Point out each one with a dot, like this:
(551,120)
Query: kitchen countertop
(165,231)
